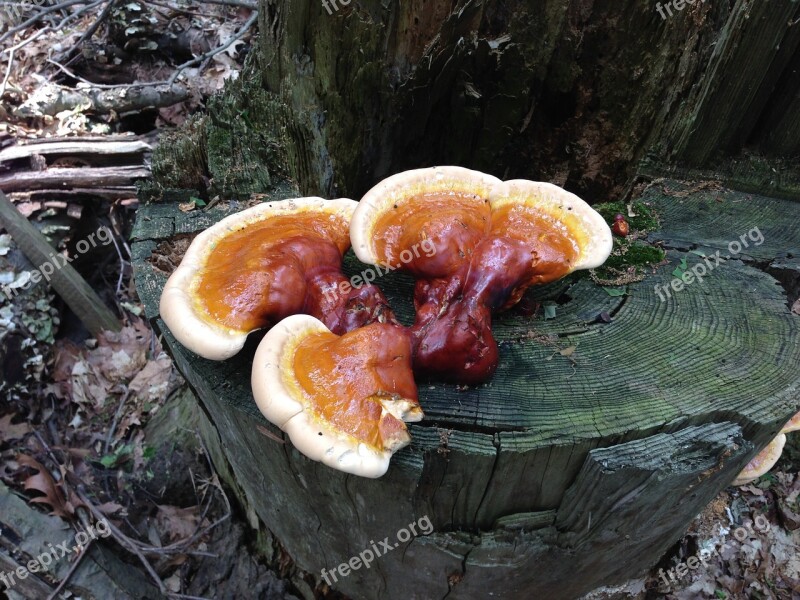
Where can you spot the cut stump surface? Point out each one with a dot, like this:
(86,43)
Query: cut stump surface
(589,451)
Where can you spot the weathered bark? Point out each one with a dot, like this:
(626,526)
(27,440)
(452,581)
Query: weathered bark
(86,147)
(73,177)
(90,166)
(569,92)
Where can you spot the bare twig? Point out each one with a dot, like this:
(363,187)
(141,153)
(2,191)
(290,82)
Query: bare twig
(50,28)
(51,455)
(240,3)
(8,73)
(122,263)
(175,9)
(102,86)
(135,547)
(72,569)
(87,35)
(215,51)
(117,415)
(115,225)
(125,541)
(38,16)
(171,81)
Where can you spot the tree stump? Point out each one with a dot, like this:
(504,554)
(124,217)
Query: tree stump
(584,458)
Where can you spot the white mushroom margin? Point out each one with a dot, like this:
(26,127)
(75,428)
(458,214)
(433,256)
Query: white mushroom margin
(178,308)
(558,204)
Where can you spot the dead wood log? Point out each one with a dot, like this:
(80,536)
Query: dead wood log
(73,177)
(75,146)
(66,281)
(45,195)
(52,99)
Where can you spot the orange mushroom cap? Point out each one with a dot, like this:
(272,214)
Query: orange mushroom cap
(343,400)
(261,265)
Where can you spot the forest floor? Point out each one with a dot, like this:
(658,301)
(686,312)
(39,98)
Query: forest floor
(87,423)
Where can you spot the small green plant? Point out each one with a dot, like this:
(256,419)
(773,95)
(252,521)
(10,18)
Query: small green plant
(118,457)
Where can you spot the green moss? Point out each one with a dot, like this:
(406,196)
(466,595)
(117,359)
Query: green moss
(233,150)
(241,147)
(644,219)
(629,257)
(180,160)
(633,254)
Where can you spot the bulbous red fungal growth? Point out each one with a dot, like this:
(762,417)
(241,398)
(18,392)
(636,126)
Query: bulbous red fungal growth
(262,265)
(453,330)
(343,312)
(620,226)
(489,241)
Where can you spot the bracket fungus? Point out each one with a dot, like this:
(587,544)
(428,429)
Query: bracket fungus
(767,458)
(492,240)
(335,370)
(343,399)
(260,265)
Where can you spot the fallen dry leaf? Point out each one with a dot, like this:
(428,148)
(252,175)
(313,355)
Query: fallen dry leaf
(177,523)
(43,482)
(10,431)
(152,382)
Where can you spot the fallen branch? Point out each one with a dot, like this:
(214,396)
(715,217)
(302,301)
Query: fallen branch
(113,193)
(240,3)
(51,99)
(72,569)
(8,73)
(106,146)
(66,281)
(63,177)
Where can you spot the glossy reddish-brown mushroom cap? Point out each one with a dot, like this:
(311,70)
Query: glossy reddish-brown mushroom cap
(258,266)
(343,400)
(475,244)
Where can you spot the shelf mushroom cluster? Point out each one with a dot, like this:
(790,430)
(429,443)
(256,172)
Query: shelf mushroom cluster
(336,370)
